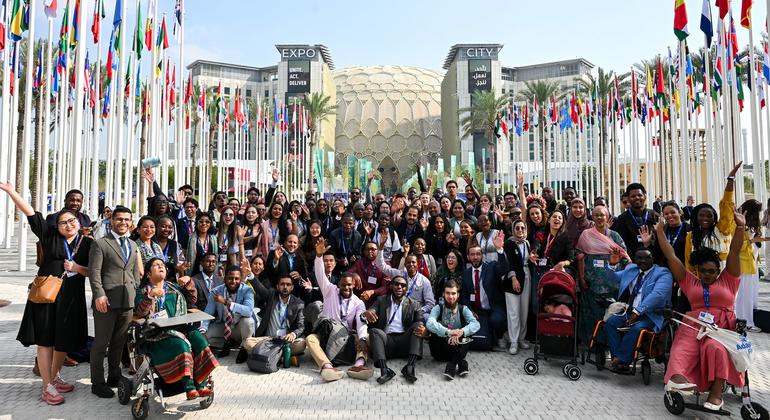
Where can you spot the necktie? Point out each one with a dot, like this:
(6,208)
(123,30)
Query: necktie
(124,248)
(477,285)
(291,262)
(635,291)
(228,331)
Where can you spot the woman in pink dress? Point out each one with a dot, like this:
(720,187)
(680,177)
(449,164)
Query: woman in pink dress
(705,365)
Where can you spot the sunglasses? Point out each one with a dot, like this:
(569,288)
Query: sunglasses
(520,228)
(399,284)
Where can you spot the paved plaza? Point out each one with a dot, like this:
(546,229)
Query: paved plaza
(497,386)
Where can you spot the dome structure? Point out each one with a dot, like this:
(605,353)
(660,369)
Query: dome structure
(388,115)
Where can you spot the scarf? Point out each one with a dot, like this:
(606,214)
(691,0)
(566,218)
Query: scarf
(575,226)
(593,242)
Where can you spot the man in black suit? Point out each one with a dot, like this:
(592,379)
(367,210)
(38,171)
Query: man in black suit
(346,243)
(481,292)
(627,224)
(283,318)
(185,225)
(410,229)
(396,330)
(206,280)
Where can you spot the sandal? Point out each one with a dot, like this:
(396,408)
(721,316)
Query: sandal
(714,407)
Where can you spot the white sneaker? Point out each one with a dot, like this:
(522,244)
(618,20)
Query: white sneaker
(513,350)
(754,329)
(524,345)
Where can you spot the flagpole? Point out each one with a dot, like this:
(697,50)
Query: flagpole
(5,111)
(94,197)
(46,97)
(11,213)
(180,174)
(77,131)
(757,164)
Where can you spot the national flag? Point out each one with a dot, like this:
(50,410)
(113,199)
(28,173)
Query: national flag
(106,106)
(554,112)
(498,126)
(178,11)
(39,70)
(173,86)
(724,7)
(138,32)
(526,117)
(705,22)
(761,89)
(96,24)
(14,27)
(202,102)
(746,13)
(162,36)
(650,92)
(535,114)
(75,34)
(138,84)
(148,26)
(573,109)
(127,89)
(660,87)
(50,9)
(766,64)
(118,15)
(2,36)
(189,90)
(680,20)
(110,58)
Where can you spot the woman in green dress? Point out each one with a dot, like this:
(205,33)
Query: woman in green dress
(598,248)
(180,354)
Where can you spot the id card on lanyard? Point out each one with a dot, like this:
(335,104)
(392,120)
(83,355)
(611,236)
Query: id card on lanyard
(71,252)
(706,316)
(282,326)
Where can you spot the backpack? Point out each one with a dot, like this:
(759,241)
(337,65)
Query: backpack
(265,356)
(459,311)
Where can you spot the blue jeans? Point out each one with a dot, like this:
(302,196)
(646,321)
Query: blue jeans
(622,343)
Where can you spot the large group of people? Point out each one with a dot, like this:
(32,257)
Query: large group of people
(363,281)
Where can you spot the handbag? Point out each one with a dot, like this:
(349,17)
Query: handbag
(739,347)
(44,289)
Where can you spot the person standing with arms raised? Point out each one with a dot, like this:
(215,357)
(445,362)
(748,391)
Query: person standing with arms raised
(114,275)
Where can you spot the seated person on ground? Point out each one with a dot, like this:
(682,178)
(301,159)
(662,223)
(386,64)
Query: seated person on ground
(451,324)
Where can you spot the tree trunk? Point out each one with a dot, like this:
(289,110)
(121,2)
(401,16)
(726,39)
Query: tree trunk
(194,168)
(37,163)
(546,156)
(210,162)
(142,155)
(20,146)
(492,166)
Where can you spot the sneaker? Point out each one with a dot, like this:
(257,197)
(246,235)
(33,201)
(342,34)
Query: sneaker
(754,329)
(462,368)
(102,391)
(360,372)
(450,371)
(513,350)
(51,396)
(524,345)
(61,386)
(331,374)
(68,361)
(502,344)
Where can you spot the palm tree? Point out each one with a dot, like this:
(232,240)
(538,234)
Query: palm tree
(482,116)
(541,91)
(319,108)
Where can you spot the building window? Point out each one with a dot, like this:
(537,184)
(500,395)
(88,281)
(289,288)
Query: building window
(227,91)
(503,91)
(248,93)
(267,94)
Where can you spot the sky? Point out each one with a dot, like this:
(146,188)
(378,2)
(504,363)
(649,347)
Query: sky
(612,34)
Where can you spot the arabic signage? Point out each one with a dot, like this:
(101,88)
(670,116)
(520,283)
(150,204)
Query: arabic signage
(479,75)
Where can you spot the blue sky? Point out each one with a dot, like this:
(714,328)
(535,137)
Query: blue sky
(612,34)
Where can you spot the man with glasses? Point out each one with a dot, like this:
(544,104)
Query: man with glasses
(185,225)
(114,276)
(395,330)
(420,289)
(261,211)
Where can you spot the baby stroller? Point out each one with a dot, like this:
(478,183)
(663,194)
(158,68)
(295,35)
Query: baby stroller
(555,334)
(146,381)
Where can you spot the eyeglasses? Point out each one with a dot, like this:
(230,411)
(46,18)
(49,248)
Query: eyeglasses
(70,222)
(189,207)
(399,284)
(520,228)
(204,222)
(229,215)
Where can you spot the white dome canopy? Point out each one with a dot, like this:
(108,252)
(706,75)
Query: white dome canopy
(388,111)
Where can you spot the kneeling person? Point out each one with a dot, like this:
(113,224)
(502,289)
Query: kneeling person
(232,305)
(397,330)
(283,318)
(341,335)
(450,323)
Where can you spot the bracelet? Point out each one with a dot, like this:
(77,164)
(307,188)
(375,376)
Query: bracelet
(731,178)
(740,227)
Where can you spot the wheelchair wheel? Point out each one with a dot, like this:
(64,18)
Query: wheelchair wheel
(573,372)
(601,358)
(676,404)
(210,399)
(530,366)
(646,372)
(140,408)
(125,386)
(760,413)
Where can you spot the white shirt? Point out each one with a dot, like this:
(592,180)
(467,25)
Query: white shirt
(209,280)
(638,297)
(390,245)
(395,324)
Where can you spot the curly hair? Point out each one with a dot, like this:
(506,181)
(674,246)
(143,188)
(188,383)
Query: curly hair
(705,255)
(752,208)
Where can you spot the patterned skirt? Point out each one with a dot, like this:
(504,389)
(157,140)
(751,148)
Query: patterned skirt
(178,355)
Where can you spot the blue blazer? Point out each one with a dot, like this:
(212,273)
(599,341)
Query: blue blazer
(656,290)
(490,279)
(243,304)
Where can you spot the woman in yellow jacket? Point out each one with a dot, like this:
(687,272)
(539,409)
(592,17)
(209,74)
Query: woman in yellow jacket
(707,231)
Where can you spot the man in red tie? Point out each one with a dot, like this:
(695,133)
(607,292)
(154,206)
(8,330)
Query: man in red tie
(481,292)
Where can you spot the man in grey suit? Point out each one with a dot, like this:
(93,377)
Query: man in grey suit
(396,330)
(206,280)
(114,275)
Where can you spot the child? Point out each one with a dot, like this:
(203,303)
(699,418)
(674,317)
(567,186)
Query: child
(553,307)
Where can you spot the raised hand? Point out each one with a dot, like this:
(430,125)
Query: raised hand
(429,182)
(519,177)
(467,178)
(245,267)
(646,235)
(148,175)
(406,248)
(321,247)
(278,252)
(383,239)
(740,218)
(370,176)
(179,197)
(183,280)
(499,240)
(660,227)
(306,284)
(367,228)
(6,187)
(276,174)
(424,223)
(735,169)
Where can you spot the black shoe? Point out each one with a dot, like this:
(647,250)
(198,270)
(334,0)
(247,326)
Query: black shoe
(242,356)
(112,381)
(224,352)
(102,391)
(385,378)
(450,371)
(408,373)
(462,368)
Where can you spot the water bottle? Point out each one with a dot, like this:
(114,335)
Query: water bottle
(151,162)
(286,356)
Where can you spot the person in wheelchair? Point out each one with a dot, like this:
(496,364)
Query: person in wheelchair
(646,289)
(705,364)
(180,354)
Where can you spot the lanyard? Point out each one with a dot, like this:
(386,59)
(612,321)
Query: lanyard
(204,245)
(549,243)
(274,232)
(668,235)
(395,311)
(285,312)
(165,251)
(453,317)
(344,244)
(637,219)
(326,223)
(481,245)
(706,297)
(412,286)
(368,270)
(344,315)
(71,251)
(422,264)
(162,299)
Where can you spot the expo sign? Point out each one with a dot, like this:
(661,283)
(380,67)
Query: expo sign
(298,53)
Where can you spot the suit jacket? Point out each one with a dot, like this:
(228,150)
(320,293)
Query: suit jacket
(411,312)
(183,230)
(295,316)
(627,228)
(655,291)
(516,265)
(203,290)
(490,279)
(350,247)
(112,276)
(243,304)
(283,269)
